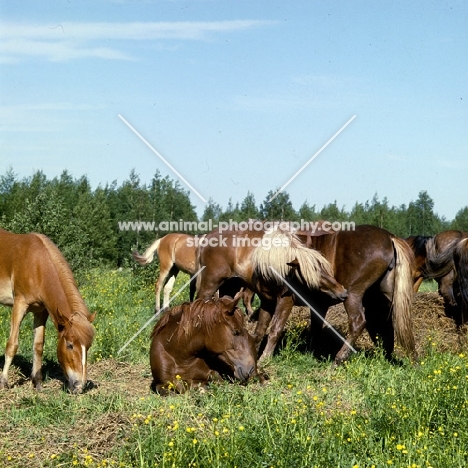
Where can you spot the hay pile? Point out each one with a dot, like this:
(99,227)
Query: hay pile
(431,327)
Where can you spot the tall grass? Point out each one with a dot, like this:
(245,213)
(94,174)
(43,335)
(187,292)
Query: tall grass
(365,413)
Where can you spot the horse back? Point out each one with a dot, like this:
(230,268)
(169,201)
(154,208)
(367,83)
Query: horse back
(359,256)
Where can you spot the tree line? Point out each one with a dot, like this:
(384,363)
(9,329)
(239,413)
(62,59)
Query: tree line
(84,221)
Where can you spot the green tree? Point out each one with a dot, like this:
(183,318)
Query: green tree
(212,211)
(248,208)
(278,208)
(420,216)
(460,221)
(307,212)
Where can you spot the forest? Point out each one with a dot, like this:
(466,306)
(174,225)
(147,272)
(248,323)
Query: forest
(84,221)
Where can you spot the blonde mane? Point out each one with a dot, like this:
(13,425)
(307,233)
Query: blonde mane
(279,247)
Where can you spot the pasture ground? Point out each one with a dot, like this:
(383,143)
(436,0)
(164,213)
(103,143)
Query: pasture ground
(366,413)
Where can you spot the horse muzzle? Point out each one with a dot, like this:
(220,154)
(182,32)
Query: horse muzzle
(75,387)
(244,374)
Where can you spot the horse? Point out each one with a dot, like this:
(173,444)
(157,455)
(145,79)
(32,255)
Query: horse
(375,267)
(420,271)
(34,276)
(266,262)
(440,266)
(460,260)
(198,342)
(177,252)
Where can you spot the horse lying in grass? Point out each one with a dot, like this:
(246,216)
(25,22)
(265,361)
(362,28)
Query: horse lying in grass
(198,342)
(34,276)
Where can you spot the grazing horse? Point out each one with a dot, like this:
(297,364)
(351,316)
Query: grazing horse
(266,262)
(34,276)
(198,342)
(460,260)
(375,267)
(445,263)
(420,272)
(177,252)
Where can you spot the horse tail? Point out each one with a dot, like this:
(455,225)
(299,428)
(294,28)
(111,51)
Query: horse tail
(460,258)
(403,295)
(148,256)
(439,264)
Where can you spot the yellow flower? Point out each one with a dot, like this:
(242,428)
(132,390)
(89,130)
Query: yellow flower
(194,441)
(241,428)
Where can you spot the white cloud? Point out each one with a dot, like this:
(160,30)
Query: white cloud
(71,40)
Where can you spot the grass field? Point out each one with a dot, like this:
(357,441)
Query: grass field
(366,413)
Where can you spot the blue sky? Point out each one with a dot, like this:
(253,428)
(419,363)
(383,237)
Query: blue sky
(239,95)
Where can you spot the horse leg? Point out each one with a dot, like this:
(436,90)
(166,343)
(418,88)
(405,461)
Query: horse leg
(283,309)
(169,286)
(379,324)
(356,325)
(265,312)
(417,283)
(40,319)
(317,318)
(20,307)
(163,273)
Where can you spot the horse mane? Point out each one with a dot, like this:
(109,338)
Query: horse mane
(282,247)
(199,316)
(418,244)
(79,317)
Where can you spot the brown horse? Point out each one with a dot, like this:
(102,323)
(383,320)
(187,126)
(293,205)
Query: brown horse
(375,267)
(35,277)
(177,252)
(460,260)
(420,271)
(439,264)
(198,342)
(264,261)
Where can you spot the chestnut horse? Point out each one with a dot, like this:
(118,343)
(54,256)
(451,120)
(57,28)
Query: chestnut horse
(264,261)
(35,277)
(177,252)
(375,267)
(420,271)
(198,342)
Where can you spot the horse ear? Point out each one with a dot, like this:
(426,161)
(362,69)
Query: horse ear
(92,317)
(230,306)
(294,263)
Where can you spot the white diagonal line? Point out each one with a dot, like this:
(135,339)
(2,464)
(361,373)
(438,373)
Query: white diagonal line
(155,316)
(312,158)
(313,310)
(165,161)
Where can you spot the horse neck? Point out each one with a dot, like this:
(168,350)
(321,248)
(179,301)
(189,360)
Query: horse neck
(58,303)
(326,245)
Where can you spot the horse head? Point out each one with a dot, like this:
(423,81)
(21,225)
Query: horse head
(231,342)
(327,283)
(74,339)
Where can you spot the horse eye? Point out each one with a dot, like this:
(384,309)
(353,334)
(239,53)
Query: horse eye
(236,332)
(69,345)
